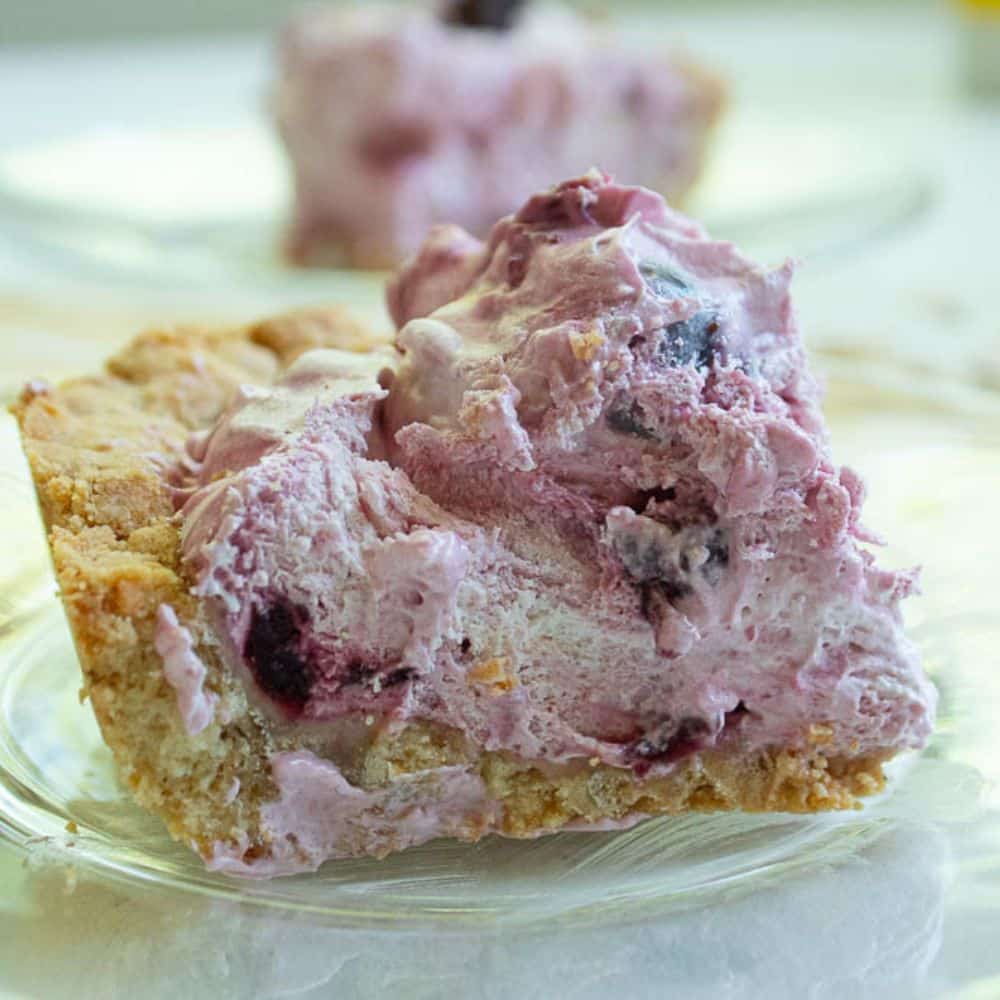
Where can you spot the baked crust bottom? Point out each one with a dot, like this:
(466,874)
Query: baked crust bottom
(97,446)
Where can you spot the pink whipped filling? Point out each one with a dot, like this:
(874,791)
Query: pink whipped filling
(587,510)
(183,670)
(325,816)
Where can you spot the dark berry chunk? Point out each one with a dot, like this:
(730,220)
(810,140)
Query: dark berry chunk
(691,340)
(271,649)
(657,495)
(357,672)
(735,716)
(663,570)
(718,556)
(653,594)
(398,676)
(627,418)
(670,744)
(660,581)
(662,281)
(642,558)
(495,14)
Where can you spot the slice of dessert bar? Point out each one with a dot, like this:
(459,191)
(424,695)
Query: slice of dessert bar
(570,553)
(396,118)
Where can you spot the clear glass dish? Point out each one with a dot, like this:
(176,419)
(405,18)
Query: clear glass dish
(932,460)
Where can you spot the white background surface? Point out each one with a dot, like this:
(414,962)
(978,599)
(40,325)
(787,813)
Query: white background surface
(917,913)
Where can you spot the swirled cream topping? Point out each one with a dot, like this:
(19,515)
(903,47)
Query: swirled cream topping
(586,509)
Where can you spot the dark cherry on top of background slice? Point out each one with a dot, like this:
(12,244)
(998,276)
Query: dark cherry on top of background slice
(495,14)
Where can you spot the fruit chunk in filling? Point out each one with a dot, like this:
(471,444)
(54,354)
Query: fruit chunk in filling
(586,508)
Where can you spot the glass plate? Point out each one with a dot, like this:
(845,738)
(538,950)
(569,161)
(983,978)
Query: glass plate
(163,206)
(933,465)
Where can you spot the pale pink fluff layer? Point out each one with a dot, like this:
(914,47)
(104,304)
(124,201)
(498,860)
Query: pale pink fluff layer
(184,671)
(597,472)
(394,120)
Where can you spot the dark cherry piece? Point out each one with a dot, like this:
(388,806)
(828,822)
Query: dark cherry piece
(736,716)
(691,340)
(497,15)
(660,582)
(688,737)
(718,556)
(646,563)
(357,672)
(398,676)
(271,650)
